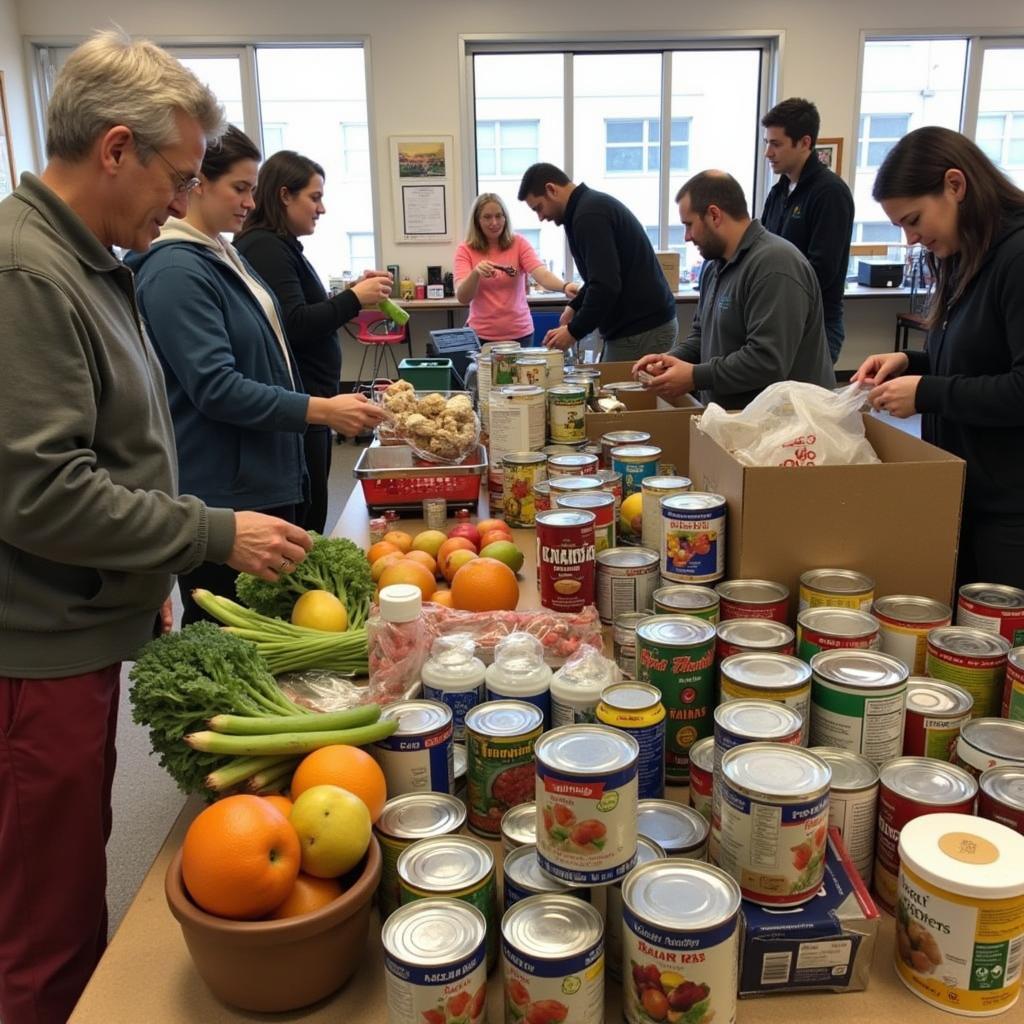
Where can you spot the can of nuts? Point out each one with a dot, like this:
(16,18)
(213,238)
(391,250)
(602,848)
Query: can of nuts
(836,588)
(833,629)
(974,660)
(1001,796)
(702,776)
(774,822)
(624,640)
(679,831)
(676,653)
(520,472)
(693,537)
(754,636)
(418,755)
(565,559)
(910,787)
(987,742)
(541,497)
(636,709)
(586,793)
(1013,691)
(994,608)
(686,599)
(635,462)
(519,826)
(567,410)
(523,877)
(576,464)
(620,439)
(776,677)
(904,622)
(626,581)
(753,599)
(435,954)
(653,489)
(647,850)
(936,712)
(603,507)
(853,804)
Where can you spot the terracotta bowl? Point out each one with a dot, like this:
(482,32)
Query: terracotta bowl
(270,966)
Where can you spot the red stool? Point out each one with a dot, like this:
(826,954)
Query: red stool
(378,334)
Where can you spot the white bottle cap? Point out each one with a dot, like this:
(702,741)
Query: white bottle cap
(400,602)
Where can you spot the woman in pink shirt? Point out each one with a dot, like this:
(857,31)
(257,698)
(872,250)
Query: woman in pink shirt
(491,267)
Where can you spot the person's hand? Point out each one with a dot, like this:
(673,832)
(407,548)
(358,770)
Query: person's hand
(572,289)
(165,617)
(881,367)
(372,290)
(565,317)
(897,397)
(559,338)
(652,363)
(675,378)
(485,268)
(266,546)
(350,415)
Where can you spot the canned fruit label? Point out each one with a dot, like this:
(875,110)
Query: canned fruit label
(518,496)
(499,775)
(872,726)
(694,545)
(982,678)
(437,994)
(539,991)
(855,814)
(958,953)
(565,558)
(567,416)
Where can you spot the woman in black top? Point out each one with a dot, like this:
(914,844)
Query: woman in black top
(968,384)
(289,201)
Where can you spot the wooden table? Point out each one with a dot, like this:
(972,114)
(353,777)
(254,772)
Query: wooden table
(146,974)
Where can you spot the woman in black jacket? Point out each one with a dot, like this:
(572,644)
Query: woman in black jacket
(968,384)
(289,201)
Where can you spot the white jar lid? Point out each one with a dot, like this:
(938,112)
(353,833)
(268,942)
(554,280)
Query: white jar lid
(400,602)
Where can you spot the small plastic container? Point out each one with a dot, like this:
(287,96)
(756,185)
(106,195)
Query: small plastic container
(454,676)
(427,374)
(401,602)
(519,673)
(577,686)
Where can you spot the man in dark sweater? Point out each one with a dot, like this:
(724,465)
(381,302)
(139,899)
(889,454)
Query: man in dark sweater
(809,206)
(624,294)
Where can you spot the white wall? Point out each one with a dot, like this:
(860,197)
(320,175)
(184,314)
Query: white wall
(12,64)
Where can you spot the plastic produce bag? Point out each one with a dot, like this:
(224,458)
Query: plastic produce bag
(441,428)
(794,424)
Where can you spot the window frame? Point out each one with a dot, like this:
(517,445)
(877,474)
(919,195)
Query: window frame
(646,146)
(864,141)
(499,146)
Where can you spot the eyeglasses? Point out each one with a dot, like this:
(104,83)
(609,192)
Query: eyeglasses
(183,184)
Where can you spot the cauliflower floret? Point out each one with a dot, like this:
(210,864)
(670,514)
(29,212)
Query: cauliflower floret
(418,424)
(460,407)
(432,405)
(466,434)
(443,445)
(400,397)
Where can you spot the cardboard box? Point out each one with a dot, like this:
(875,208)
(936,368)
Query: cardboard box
(897,521)
(827,943)
(669,262)
(667,424)
(613,371)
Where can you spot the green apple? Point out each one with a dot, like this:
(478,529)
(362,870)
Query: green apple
(429,541)
(504,551)
(334,830)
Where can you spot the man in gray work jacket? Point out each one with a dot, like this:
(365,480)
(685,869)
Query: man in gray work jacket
(758,318)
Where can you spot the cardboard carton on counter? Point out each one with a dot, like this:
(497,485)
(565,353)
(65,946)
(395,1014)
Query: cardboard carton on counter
(668,425)
(898,521)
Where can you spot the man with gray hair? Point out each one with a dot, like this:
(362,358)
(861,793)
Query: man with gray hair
(91,526)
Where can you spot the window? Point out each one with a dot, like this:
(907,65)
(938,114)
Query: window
(878,134)
(273,138)
(361,254)
(1001,136)
(634,145)
(532,235)
(506,148)
(1000,128)
(876,232)
(355,148)
(224,76)
(676,237)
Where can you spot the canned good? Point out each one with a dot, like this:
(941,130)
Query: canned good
(774,822)
(378,527)
(403,821)
(532,371)
(611,481)
(560,449)
(576,464)
(753,636)
(686,599)
(565,559)
(1001,796)
(567,411)
(541,497)
(994,608)
(620,439)
(435,513)
(636,709)
(647,850)
(679,831)
(520,472)
(836,588)
(586,795)
(516,421)
(910,787)
(936,712)
(833,629)
(523,878)
(774,677)
(496,489)
(1013,691)
(853,804)
(603,507)
(460,759)
(676,653)
(624,641)
(553,958)
(589,378)
(626,581)
(635,462)
(702,775)
(974,660)
(653,489)
(693,537)
(499,774)
(753,599)
(984,743)
(681,941)
(519,826)
(417,756)
(455,867)
(565,485)
(435,954)
(904,622)
(857,703)
(504,357)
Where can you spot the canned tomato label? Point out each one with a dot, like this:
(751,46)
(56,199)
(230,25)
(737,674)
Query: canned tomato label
(576,464)
(753,599)
(620,439)
(687,599)
(521,470)
(418,756)
(774,822)
(519,826)
(523,877)
(516,420)
(635,462)
(857,703)
(626,581)
(636,709)
(853,804)
(693,537)
(435,962)
(676,653)
(904,622)
(910,787)
(679,831)
(702,773)
(586,803)
(1001,796)
(776,677)
(754,636)
(404,821)
(994,608)
(1013,691)
(836,588)
(624,641)
(986,742)
(960,919)
(936,712)
(603,507)
(541,497)
(565,559)
(681,943)
(833,629)
(653,489)
(972,659)
(553,960)
(500,736)
(646,851)
(567,409)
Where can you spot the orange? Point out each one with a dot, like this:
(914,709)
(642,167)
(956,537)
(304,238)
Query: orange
(425,560)
(352,768)
(485,585)
(379,550)
(376,568)
(407,571)
(240,858)
(308,894)
(400,539)
(493,536)
(281,802)
(454,544)
(443,597)
(486,525)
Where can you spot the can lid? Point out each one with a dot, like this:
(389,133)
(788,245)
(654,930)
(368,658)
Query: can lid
(419,815)
(520,823)
(621,437)
(586,749)
(683,895)
(675,828)
(768,671)
(434,932)
(692,501)
(1004,783)
(445,863)
(753,591)
(586,500)
(522,867)
(683,595)
(647,850)
(837,581)
(995,595)
(966,640)
(776,770)
(675,630)
(666,483)
(758,719)
(999,737)
(630,696)
(504,718)
(524,458)
(928,780)
(552,926)
(859,669)
(838,621)
(400,602)
(755,633)
(519,391)
(565,517)
(912,608)
(572,484)
(416,717)
(702,754)
(964,855)
(930,697)
(850,770)
(627,558)
(636,451)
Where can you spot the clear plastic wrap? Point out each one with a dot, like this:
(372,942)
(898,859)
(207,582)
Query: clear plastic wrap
(439,427)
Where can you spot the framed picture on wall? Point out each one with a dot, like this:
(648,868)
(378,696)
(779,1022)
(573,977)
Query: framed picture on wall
(422,183)
(830,153)
(7,177)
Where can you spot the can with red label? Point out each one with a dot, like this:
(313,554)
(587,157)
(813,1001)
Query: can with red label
(974,659)
(830,629)
(541,497)
(611,481)
(1013,692)
(936,712)
(702,775)
(566,559)
(603,507)
(1001,796)
(904,621)
(753,599)
(993,607)
(693,537)
(754,636)
(577,464)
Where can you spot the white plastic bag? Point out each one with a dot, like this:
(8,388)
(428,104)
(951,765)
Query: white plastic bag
(794,424)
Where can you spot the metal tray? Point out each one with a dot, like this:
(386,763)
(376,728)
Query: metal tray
(397,461)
